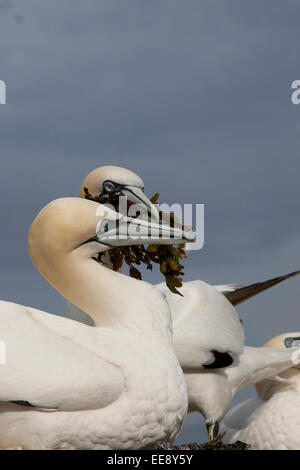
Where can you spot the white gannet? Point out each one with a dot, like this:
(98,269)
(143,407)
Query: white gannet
(100,182)
(272,420)
(204,309)
(210,391)
(65,385)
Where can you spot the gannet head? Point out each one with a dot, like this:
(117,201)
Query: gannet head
(209,393)
(68,224)
(285,340)
(101,181)
(267,387)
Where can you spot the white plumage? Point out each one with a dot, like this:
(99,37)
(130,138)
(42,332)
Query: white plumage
(272,420)
(115,386)
(211,391)
(204,321)
(207,330)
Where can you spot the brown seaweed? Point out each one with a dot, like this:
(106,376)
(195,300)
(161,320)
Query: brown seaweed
(167,256)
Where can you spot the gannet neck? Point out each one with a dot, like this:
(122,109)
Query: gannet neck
(209,393)
(286,379)
(109,297)
(256,364)
(57,246)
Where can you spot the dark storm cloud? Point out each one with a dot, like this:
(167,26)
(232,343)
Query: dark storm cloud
(193,96)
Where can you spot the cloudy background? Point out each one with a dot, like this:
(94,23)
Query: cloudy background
(194,97)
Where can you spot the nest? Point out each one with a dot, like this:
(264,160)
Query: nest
(216,444)
(167,256)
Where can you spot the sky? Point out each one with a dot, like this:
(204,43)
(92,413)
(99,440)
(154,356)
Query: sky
(195,97)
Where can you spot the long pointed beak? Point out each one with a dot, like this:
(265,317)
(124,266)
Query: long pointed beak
(137,196)
(127,231)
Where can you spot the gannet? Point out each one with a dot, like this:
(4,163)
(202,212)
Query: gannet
(210,391)
(102,180)
(272,420)
(66,385)
(204,309)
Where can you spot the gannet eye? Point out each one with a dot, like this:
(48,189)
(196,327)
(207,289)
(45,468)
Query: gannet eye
(104,226)
(292,342)
(109,186)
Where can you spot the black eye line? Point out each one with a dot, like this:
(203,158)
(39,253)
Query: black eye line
(95,239)
(90,240)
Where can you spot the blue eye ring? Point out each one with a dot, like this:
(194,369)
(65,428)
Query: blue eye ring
(109,186)
(288,342)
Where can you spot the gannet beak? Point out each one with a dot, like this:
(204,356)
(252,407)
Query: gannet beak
(137,196)
(128,231)
(212,430)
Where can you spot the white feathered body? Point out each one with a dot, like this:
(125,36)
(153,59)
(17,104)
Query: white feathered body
(122,388)
(203,321)
(272,424)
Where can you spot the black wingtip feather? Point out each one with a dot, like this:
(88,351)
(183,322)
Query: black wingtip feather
(245,293)
(221,360)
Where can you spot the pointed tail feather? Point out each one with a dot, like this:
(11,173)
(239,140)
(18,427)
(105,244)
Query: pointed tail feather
(245,293)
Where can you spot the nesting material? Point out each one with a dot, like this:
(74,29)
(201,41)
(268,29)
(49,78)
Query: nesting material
(168,257)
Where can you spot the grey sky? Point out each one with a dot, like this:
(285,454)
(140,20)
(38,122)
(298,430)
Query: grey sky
(193,96)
